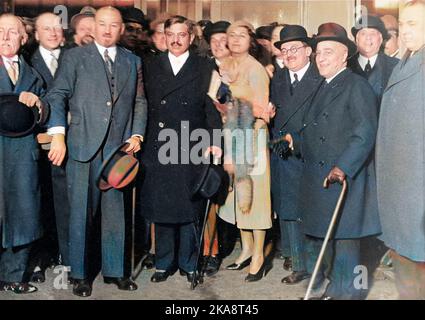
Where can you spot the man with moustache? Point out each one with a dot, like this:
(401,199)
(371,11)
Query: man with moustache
(19,180)
(177,82)
(336,142)
(83,26)
(400,158)
(292,90)
(103,86)
(46,59)
(371,63)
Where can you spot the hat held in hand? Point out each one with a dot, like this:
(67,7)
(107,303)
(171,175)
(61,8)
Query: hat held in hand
(118,170)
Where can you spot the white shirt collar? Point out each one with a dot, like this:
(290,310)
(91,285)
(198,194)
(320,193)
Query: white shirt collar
(217,62)
(47,54)
(15,58)
(300,73)
(112,51)
(363,61)
(280,63)
(177,62)
(330,79)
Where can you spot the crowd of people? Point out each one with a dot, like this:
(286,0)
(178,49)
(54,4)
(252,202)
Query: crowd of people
(299,116)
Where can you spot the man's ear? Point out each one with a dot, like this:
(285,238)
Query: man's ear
(37,37)
(309,51)
(192,37)
(24,38)
(122,29)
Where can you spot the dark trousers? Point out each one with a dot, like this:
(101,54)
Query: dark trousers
(295,238)
(13,263)
(86,201)
(338,265)
(176,246)
(285,245)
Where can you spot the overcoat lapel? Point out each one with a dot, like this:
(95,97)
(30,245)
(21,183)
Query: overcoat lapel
(122,72)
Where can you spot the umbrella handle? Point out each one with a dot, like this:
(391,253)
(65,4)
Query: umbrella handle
(328,235)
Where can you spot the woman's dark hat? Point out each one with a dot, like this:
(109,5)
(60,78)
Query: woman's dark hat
(292,33)
(118,169)
(373,22)
(331,31)
(16,119)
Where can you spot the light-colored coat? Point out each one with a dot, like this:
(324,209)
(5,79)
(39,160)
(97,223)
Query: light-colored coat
(400,159)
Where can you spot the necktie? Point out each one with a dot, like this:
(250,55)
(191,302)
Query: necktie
(108,61)
(13,71)
(368,68)
(53,64)
(294,84)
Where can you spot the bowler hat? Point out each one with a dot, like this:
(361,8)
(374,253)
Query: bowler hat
(86,11)
(209,182)
(292,33)
(264,32)
(132,14)
(370,21)
(16,119)
(213,28)
(118,169)
(331,31)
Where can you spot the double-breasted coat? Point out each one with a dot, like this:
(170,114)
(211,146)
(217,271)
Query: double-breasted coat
(19,182)
(178,105)
(290,109)
(339,129)
(400,158)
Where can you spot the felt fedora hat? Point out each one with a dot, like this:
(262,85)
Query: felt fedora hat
(292,33)
(216,27)
(16,119)
(372,22)
(209,182)
(331,31)
(118,169)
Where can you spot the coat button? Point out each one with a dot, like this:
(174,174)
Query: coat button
(323,139)
(161,124)
(184,103)
(105,119)
(108,103)
(304,125)
(163,102)
(321,163)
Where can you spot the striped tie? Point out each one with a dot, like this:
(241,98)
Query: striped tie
(13,71)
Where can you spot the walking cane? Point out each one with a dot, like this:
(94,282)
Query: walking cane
(207,209)
(328,235)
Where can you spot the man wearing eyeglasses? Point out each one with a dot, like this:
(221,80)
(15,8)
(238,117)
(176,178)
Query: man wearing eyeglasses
(292,89)
(134,37)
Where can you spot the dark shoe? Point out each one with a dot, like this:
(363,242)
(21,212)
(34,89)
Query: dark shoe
(194,278)
(296,277)
(122,283)
(212,266)
(160,276)
(70,280)
(239,266)
(82,288)
(182,273)
(17,287)
(38,276)
(287,264)
(149,261)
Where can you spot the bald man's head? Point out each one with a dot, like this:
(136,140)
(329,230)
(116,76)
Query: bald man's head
(12,35)
(48,30)
(108,26)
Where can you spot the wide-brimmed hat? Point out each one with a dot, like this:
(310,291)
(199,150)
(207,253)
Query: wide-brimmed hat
(210,181)
(16,119)
(86,11)
(118,169)
(292,33)
(370,21)
(331,31)
(216,27)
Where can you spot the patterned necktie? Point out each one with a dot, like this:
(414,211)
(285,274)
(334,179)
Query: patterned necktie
(108,61)
(13,71)
(368,68)
(294,84)
(53,64)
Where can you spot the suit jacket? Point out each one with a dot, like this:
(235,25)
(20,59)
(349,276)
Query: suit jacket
(400,159)
(178,105)
(380,74)
(339,129)
(290,110)
(38,63)
(82,82)
(19,187)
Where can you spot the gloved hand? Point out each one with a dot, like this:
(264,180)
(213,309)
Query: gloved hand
(280,147)
(336,175)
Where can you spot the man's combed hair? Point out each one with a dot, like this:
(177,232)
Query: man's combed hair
(180,19)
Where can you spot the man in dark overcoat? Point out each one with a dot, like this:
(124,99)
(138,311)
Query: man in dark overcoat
(336,142)
(371,62)
(177,83)
(292,89)
(20,223)
(103,86)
